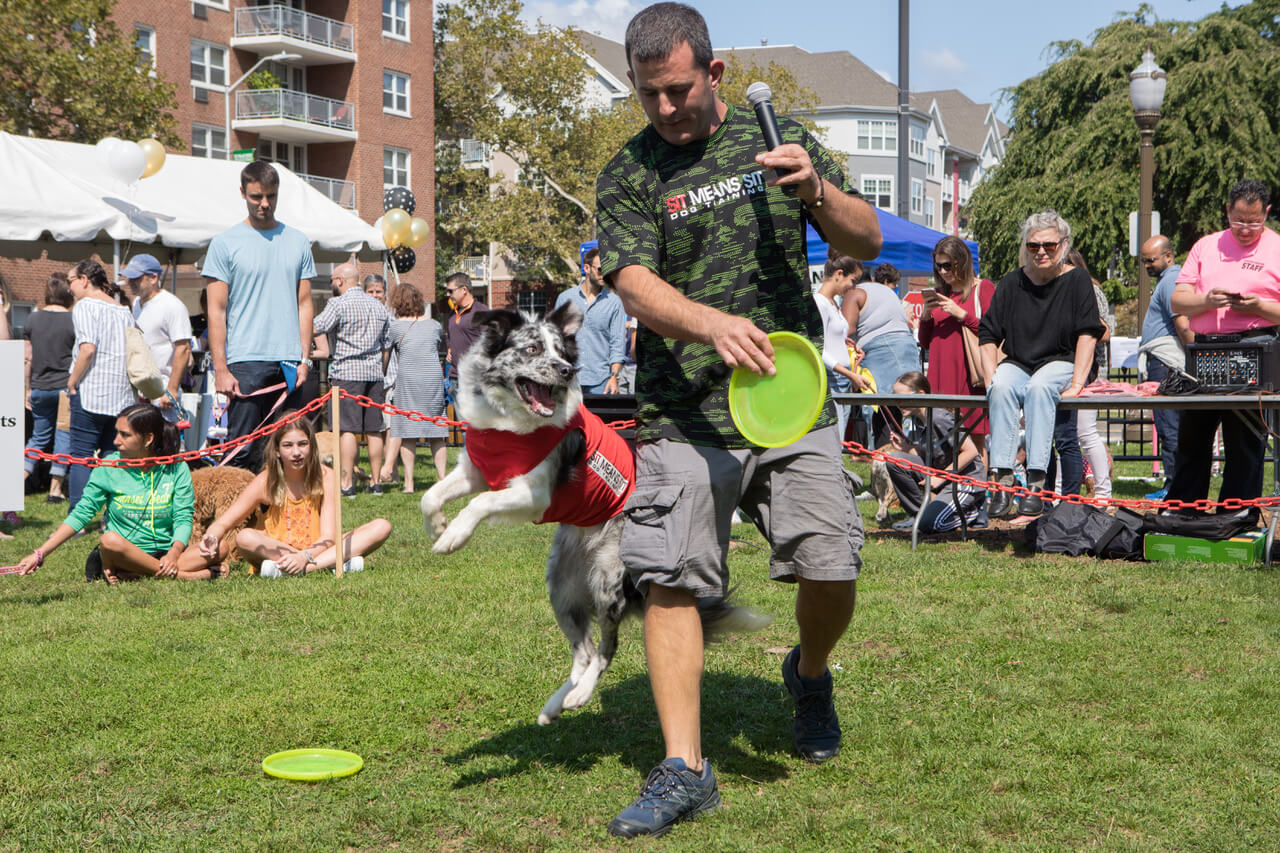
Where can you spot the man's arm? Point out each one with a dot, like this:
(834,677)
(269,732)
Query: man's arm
(670,313)
(848,222)
(617,347)
(306,313)
(1182,326)
(223,381)
(178,368)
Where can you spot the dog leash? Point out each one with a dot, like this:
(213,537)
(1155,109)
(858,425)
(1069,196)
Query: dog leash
(279,401)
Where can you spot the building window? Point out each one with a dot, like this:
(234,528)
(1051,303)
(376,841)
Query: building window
(395,93)
(533,301)
(917,196)
(294,157)
(145,41)
(208,64)
(395,167)
(929,213)
(395,19)
(917,142)
(215,4)
(210,142)
(878,189)
(877,135)
(933,164)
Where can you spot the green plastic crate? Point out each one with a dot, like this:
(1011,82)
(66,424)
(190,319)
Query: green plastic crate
(1245,548)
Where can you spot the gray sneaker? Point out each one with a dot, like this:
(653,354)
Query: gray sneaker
(672,793)
(816,731)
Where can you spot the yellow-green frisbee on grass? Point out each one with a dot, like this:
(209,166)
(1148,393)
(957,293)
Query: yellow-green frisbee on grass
(774,411)
(312,765)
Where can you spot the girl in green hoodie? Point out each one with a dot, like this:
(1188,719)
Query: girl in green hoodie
(147,509)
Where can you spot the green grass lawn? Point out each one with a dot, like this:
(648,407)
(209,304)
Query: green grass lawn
(990,699)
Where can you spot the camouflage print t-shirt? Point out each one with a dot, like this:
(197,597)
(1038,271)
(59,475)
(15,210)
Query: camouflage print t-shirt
(701,217)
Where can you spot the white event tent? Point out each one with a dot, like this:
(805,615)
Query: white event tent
(60,198)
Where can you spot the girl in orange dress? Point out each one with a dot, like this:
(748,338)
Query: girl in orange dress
(297,493)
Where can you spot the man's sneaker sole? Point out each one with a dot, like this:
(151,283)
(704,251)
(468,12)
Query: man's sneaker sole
(671,794)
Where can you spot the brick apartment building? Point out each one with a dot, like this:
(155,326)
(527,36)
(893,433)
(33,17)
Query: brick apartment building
(353,112)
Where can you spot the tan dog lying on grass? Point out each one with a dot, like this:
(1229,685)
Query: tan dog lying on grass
(216,489)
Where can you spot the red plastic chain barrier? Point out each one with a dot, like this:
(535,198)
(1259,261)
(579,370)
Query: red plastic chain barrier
(1049,495)
(185,456)
(1142,504)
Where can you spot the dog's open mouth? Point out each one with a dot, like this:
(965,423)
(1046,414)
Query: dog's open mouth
(537,397)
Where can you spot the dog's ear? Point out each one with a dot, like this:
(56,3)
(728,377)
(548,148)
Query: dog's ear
(568,317)
(502,321)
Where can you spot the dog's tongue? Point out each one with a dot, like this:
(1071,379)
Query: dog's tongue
(539,398)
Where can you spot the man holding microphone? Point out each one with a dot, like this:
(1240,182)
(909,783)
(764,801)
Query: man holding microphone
(707,251)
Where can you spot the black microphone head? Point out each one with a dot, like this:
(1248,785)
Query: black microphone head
(759,93)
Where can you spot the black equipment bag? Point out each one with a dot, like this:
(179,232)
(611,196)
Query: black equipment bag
(1077,529)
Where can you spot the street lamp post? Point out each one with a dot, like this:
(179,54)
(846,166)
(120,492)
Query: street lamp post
(1146,91)
(282,56)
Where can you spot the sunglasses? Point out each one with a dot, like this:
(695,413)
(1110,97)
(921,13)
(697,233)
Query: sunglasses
(943,266)
(1050,248)
(1149,260)
(1246,226)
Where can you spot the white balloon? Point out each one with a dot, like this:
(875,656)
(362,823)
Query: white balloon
(105,146)
(127,161)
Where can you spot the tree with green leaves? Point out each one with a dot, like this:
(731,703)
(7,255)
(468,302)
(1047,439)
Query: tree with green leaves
(68,72)
(1073,144)
(521,91)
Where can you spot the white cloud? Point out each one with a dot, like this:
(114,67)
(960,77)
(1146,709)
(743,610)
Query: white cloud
(608,18)
(944,63)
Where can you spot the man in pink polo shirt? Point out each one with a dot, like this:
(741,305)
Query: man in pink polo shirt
(1230,283)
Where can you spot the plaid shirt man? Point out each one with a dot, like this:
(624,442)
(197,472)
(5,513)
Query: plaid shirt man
(362,329)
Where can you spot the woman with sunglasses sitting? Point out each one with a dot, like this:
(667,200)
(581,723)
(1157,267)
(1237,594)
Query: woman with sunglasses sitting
(1045,319)
(958,302)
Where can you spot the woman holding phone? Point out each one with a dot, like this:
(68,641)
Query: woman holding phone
(955,305)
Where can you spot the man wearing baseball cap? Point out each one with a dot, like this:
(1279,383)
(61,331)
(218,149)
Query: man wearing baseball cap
(163,321)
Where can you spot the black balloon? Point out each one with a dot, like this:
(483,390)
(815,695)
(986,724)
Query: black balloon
(403,258)
(400,197)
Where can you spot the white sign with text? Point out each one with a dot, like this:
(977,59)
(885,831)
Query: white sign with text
(12,425)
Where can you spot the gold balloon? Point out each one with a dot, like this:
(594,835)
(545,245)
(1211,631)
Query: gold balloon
(419,232)
(397,227)
(154,152)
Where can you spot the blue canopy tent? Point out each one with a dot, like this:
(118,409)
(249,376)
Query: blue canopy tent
(907,246)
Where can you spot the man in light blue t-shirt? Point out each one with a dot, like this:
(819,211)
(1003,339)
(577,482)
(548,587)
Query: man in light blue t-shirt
(260,310)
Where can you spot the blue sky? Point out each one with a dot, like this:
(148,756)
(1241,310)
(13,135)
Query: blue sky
(978,47)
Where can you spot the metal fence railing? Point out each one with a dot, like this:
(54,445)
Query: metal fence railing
(297,106)
(279,20)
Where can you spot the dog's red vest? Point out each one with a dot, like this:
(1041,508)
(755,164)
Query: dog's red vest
(598,488)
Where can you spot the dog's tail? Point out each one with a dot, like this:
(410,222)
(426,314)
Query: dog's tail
(721,617)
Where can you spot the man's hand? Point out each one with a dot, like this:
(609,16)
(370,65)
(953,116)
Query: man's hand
(611,386)
(1245,303)
(303,371)
(1219,298)
(224,382)
(165,402)
(803,177)
(741,343)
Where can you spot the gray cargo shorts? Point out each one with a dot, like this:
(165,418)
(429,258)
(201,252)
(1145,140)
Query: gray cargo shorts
(676,532)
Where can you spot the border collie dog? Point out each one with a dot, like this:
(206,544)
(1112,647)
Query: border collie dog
(534,453)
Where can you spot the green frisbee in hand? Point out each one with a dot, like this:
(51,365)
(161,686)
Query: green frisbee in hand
(312,765)
(774,411)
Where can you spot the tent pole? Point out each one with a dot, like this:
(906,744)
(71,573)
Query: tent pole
(115,261)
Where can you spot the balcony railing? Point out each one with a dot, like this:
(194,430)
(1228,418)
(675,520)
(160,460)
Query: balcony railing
(477,267)
(947,192)
(474,151)
(278,20)
(336,190)
(295,106)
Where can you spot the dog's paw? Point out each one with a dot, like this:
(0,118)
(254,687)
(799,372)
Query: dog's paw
(439,523)
(450,539)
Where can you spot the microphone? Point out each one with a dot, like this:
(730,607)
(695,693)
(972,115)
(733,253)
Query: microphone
(760,96)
